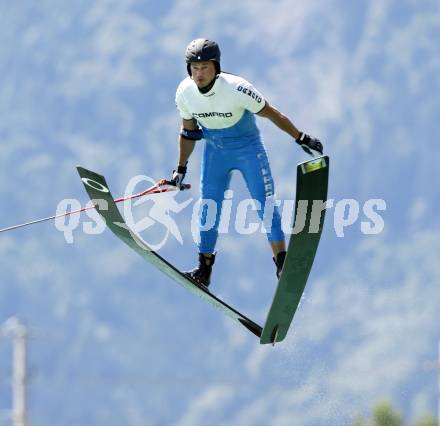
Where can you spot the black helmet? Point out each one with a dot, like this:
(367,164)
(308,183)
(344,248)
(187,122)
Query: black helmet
(200,50)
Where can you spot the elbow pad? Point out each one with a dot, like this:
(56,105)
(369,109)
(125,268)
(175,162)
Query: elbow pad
(193,135)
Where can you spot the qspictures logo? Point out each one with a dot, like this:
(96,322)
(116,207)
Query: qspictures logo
(164,215)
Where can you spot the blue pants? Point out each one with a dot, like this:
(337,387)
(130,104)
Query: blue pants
(250,158)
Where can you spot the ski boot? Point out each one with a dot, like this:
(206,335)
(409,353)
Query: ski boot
(202,274)
(279,262)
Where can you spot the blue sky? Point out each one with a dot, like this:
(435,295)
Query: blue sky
(93,83)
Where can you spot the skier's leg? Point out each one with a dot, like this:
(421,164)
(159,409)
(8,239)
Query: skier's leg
(214,181)
(257,174)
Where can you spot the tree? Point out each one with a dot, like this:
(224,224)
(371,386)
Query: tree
(385,415)
(426,420)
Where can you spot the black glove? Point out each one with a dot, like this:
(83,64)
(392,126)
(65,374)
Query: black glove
(178,176)
(308,143)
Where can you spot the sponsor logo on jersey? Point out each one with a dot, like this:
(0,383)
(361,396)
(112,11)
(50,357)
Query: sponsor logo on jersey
(212,114)
(250,93)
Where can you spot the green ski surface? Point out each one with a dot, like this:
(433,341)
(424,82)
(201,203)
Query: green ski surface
(311,185)
(97,188)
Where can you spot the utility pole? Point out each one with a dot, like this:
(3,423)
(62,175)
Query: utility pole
(19,333)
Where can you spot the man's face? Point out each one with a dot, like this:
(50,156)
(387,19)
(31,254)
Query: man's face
(203,72)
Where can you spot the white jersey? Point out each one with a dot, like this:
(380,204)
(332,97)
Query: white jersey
(223,106)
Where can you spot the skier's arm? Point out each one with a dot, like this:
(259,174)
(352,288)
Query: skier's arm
(280,120)
(186,146)
(189,134)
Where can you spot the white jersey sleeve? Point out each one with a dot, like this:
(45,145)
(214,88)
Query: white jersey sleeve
(248,97)
(181,104)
